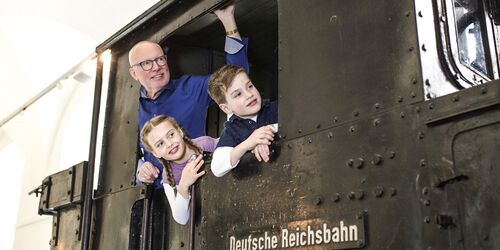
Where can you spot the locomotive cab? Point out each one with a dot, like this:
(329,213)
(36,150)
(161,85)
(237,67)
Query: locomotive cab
(388,114)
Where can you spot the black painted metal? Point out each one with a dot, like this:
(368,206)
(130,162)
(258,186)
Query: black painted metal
(89,187)
(358,141)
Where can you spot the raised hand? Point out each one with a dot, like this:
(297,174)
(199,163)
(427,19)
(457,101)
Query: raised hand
(190,174)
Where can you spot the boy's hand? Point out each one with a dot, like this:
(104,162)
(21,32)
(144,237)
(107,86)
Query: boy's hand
(261,152)
(263,135)
(190,175)
(147,173)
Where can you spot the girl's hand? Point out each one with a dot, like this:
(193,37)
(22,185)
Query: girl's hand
(190,175)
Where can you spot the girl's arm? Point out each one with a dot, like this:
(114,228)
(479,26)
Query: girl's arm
(178,205)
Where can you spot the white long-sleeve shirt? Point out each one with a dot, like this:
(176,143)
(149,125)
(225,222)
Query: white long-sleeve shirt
(178,204)
(221,161)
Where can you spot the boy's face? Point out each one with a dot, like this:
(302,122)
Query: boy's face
(167,142)
(242,98)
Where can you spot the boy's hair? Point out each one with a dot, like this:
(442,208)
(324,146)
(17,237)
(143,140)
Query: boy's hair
(152,123)
(221,80)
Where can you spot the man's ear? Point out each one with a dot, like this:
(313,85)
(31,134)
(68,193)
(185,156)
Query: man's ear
(131,70)
(225,108)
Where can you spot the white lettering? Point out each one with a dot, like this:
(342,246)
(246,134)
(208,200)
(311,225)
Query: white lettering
(292,240)
(353,233)
(232,243)
(254,244)
(319,237)
(335,234)
(284,238)
(274,241)
(327,235)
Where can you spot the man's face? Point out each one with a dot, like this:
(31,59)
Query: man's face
(155,78)
(242,98)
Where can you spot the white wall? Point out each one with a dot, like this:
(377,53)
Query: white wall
(40,41)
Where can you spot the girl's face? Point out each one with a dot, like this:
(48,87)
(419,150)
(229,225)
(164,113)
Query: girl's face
(167,142)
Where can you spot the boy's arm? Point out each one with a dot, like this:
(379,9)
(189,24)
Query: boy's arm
(221,161)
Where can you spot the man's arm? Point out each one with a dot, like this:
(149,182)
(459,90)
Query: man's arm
(236,47)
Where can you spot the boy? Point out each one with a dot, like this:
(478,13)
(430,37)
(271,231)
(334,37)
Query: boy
(248,128)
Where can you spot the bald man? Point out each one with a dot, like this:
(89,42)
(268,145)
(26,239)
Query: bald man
(186,99)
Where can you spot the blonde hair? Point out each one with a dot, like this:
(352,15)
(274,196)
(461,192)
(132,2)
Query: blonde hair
(221,80)
(154,122)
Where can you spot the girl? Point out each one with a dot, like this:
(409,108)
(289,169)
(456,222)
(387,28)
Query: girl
(181,158)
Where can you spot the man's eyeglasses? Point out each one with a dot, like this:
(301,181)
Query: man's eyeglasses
(147,65)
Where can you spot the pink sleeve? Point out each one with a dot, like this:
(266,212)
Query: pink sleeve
(207,143)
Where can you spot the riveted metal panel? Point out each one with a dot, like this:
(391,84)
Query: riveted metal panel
(112,219)
(365,51)
(364,166)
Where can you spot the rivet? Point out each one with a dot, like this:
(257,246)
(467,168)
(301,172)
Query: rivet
(425,191)
(422,162)
(352,129)
(204,219)
(300,131)
(335,119)
(391,154)
(360,194)
(309,140)
(182,244)
(424,48)
(414,81)
(379,191)
(125,163)
(455,98)
(376,106)
(76,231)
(355,113)
(431,105)
(402,115)
(413,95)
(350,162)
(427,203)
(318,125)
(359,163)
(427,82)
(442,18)
(484,90)
(337,197)
(400,99)
(420,14)
(407,14)
(393,192)
(428,95)
(69,192)
(376,122)
(330,135)
(377,159)
(121,185)
(421,135)
(411,49)
(427,219)
(317,201)
(70,172)
(351,196)
(417,109)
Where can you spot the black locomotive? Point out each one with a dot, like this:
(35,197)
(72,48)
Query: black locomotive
(389,120)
